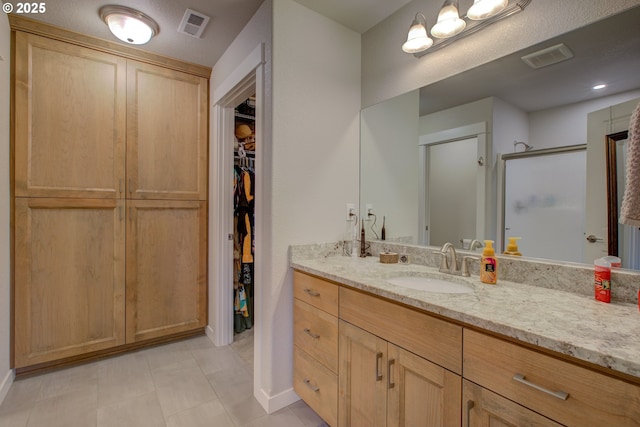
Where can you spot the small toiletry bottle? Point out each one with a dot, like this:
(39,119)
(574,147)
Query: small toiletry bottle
(602,280)
(489,264)
(512,247)
(383,233)
(613,260)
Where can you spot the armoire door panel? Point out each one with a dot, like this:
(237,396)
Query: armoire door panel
(166,268)
(69,278)
(70,107)
(166,134)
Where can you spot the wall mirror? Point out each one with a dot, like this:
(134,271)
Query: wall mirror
(505,102)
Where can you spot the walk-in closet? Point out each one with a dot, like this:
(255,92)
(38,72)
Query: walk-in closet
(243,219)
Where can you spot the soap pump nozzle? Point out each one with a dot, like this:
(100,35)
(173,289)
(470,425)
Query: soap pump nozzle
(512,247)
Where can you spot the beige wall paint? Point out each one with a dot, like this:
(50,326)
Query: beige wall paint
(6,375)
(387,71)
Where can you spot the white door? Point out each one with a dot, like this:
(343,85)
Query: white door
(599,124)
(451,191)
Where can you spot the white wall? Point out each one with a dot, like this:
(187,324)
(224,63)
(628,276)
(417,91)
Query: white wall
(567,125)
(316,109)
(387,71)
(310,171)
(389,175)
(6,375)
(461,115)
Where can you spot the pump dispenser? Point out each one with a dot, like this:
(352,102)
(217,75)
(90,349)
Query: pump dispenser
(512,247)
(489,264)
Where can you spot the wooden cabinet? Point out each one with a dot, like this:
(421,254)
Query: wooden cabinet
(354,360)
(399,366)
(166,268)
(70,294)
(558,389)
(383,384)
(166,133)
(483,408)
(315,330)
(70,118)
(110,155)
(363,378)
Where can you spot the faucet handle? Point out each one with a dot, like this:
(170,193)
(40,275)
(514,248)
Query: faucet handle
(465,264)
(444,262)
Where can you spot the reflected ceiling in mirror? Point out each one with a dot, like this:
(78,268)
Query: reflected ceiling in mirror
(606,52)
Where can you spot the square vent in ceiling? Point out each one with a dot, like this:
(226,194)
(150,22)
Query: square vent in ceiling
(193,23)
(548,56)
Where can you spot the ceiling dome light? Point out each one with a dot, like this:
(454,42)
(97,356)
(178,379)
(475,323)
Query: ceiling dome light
(417,39)
(483,9)
(129,25)
(599,87)
(449,23)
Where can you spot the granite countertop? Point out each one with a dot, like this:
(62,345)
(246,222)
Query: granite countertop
(564,322)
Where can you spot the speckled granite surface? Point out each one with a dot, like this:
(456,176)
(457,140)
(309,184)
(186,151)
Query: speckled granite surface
(563,321)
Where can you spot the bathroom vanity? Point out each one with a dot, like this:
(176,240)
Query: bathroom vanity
(368,352)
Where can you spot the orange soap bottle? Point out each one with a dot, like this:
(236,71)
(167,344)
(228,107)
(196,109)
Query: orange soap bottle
(489,264)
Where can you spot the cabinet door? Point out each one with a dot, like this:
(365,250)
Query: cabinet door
(483,408)
(70,120)
(166,134)
(362,378)
(69,278)
(421,393)
(166,268)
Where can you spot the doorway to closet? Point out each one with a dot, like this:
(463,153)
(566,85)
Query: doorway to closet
(244,225)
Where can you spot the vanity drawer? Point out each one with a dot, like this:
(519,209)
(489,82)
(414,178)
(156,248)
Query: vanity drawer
(594,399)
(433,339)
(316,332)
(316,385)
(317,292)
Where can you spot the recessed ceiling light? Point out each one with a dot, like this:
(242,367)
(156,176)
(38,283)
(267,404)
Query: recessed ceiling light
(598,87)
(129,25)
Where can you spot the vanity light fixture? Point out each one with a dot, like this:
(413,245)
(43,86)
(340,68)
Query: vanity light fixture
(417,40)
(449,23)
(483,9)
(129,25)
(451,27)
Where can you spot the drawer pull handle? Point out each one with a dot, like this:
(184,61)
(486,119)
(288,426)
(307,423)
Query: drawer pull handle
(378,359)
(312,292)
(470,406)
(312,387)
(311,334)
(392,362)
(559,394)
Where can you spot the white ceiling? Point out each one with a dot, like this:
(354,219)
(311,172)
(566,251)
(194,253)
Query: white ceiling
(597,57)
(607,51)
(228,17)
(359,15)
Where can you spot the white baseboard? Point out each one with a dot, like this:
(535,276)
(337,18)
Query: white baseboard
(6,384)
(272,404)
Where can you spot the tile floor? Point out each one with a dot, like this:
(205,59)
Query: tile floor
(189,383)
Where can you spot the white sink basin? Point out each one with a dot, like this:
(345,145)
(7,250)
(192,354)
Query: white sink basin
(430,285)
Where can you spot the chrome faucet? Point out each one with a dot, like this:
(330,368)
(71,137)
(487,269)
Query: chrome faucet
(475,244)
(444,262)
(453,267)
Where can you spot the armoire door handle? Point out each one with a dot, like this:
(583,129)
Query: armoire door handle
(391,383)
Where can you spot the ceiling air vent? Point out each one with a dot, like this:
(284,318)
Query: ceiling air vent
(193,23)
(548,56)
